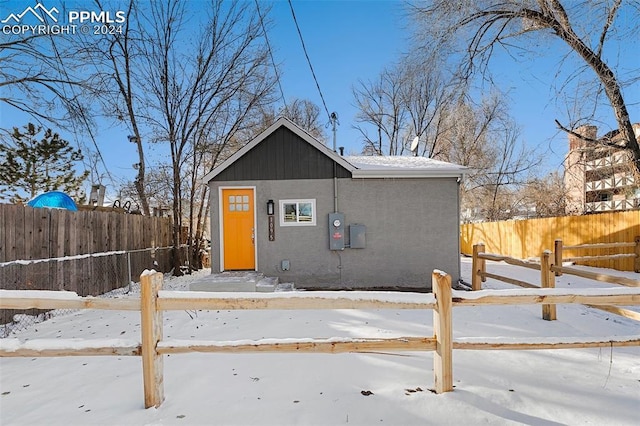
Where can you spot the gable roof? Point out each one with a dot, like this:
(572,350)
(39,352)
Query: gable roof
(280,122)
(358,166)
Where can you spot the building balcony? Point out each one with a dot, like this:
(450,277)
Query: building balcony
(613,205)
(616,159)
(619,180)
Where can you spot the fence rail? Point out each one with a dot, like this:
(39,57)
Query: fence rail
(153,302)
(559,248)
(548,271)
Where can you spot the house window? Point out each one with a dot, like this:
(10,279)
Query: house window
(604,196)
(238,203)
(298,212)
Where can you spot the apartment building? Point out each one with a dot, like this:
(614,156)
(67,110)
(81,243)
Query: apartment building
(600,177)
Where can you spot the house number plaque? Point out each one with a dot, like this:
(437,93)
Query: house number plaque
(272,229)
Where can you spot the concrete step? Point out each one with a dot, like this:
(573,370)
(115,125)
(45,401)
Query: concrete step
(239,282)
(285,287)
(267,284)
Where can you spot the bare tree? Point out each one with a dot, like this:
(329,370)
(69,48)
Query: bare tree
(485,139)
(407,101)
(119,51)
(427,97)
(482,27)
(36,76)
(414,99)
(196,88)
(380,105)
(511,169)
(546,196)
(44,75)
(467,139)
(305,114)
(118,83)
(157,187)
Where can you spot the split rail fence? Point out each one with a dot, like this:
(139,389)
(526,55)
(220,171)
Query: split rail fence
(559,249)
(153,302)
(550,266)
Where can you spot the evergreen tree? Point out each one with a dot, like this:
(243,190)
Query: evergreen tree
(32,165)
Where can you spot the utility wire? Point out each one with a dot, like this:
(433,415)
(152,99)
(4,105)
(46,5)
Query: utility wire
(308,60)
(275,68)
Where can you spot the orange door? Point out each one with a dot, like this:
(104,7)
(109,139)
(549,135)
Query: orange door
(238,232)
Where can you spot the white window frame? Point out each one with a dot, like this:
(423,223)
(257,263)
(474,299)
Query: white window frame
(297,202)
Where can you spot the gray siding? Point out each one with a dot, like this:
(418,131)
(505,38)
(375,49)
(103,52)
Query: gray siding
(412,228)
(283,155)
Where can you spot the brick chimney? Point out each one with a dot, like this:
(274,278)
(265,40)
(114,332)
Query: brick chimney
(575,142)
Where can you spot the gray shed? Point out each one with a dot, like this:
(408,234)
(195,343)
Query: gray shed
(289,207)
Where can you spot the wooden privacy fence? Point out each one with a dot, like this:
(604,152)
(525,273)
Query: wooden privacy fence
(523,239)
(549,268)
(153,302)
(88,252)
(28,233)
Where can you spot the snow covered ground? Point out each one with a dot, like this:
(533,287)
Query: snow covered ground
(543,387)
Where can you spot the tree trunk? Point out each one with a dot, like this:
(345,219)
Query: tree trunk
(177,214)
(139,181)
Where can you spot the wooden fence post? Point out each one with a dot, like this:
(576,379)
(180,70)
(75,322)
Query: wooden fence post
(477,265)
(443,330)
(636,263)
(547,280)
(557,251)
(151,325)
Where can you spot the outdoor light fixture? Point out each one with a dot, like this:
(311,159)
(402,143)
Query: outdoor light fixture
(270,207)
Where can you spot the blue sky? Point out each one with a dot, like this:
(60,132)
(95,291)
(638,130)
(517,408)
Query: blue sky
(348,41)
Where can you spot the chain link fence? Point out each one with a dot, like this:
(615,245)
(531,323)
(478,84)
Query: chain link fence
(108,274)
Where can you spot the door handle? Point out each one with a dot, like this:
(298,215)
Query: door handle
(253,235)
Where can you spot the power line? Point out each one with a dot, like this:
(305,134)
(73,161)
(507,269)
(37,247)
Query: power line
(304,48)
(275,68)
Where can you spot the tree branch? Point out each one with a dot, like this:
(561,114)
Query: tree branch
(607,24)
(604,142)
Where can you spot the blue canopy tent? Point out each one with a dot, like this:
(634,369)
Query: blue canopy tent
(53,200)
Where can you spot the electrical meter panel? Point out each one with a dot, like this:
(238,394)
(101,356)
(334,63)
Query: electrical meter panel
(336,231)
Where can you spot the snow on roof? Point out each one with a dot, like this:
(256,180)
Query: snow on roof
(378,162)
(402,166)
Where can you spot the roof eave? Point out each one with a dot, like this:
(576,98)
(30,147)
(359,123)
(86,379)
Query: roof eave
(394,174)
